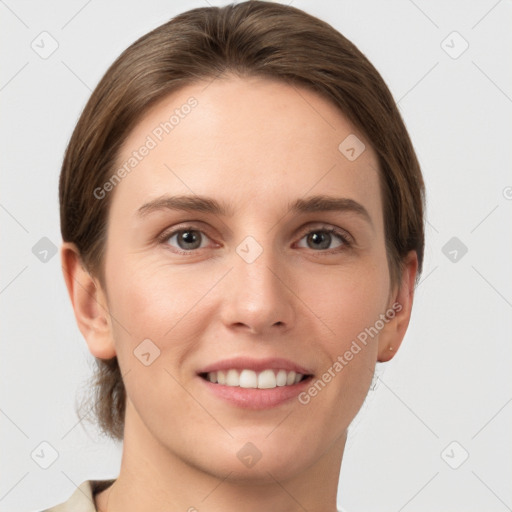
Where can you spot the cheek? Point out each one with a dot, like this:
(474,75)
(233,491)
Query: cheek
(349,299)
(350,307)
(350,304)
(156,322)
(141,288)
(154,301)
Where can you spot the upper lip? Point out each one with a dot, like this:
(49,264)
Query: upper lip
(257,365)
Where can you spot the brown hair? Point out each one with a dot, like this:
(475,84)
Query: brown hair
(250,38)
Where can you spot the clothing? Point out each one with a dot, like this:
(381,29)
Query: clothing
(82,500)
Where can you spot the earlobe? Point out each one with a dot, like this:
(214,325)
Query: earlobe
(89,303)
(392,335)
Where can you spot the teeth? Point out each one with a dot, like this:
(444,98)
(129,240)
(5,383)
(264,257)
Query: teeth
(232,378)
(248,379)
(267,379)
(281,378)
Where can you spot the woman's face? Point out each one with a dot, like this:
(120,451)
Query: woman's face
(224,254)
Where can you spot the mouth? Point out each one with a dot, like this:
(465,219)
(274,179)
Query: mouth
(255,384)
(250,379)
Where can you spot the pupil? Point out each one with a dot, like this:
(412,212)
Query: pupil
(189,238)
(320,239)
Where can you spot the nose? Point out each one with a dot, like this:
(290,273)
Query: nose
(258,298)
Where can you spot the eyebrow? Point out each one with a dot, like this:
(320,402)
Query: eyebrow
(318,203)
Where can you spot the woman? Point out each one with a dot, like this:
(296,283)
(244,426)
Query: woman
(242,216)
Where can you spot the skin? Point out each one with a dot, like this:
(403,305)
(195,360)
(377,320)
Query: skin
(258,145)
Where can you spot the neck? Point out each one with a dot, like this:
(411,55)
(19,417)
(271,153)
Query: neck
(155,479)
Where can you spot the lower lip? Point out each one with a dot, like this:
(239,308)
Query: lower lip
(251,398)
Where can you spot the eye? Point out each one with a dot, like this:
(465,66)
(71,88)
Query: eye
(185,239)
(188,239)
(322,239)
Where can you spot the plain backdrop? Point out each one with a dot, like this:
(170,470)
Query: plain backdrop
(434,434)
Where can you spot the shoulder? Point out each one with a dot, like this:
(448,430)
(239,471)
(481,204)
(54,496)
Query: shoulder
(82,499)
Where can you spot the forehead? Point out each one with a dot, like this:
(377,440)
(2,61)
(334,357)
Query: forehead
(246,141)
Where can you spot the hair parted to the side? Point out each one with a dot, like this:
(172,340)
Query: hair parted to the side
(252,38)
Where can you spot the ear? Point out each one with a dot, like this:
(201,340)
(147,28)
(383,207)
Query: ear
(399,310)
(89,303)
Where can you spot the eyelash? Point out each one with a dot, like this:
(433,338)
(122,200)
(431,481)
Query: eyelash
(344,237)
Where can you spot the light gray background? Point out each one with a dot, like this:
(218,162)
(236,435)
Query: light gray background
(451,380)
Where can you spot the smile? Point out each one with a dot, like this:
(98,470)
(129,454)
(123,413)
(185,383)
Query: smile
(249,383)
(266,379)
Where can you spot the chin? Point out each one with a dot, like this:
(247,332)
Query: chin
(260,458)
